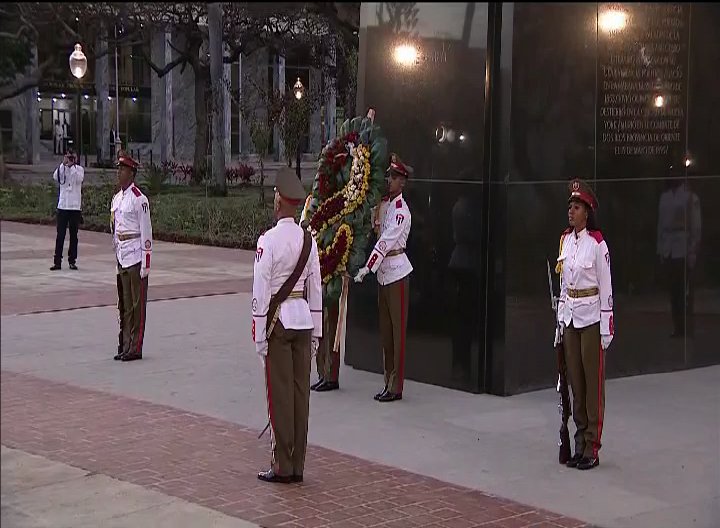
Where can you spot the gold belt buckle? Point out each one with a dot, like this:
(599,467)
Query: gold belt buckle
(578,294)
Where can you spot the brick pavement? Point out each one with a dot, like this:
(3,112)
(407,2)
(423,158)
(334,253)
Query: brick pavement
(213,463)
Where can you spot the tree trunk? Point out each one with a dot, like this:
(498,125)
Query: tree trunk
(202,86)
(217,78)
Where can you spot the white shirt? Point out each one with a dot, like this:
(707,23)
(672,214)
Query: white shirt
(278,252)
(679,223)
(130,215)
(394,233)
(585,262)
(70,180)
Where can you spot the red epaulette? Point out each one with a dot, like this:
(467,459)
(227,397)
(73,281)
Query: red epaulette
(597,235)
(136,191)
(568,231)
(398,204)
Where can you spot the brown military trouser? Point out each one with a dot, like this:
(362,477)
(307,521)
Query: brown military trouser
(287,380)
(586,372)
(328,361)
(132,303)
(393,306)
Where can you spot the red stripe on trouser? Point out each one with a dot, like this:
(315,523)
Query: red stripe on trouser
(401,366)
(141,329)
(268,394)
(601,375)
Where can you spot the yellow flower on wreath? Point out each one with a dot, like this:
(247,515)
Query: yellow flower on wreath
(342,265)
(359,178)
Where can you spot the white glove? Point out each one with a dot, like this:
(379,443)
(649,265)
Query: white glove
(605,340)
(559,329)
(262,348)
(314,345)
(361,274)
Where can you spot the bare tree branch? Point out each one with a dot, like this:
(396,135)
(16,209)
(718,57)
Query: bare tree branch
(164,70)
(24,83)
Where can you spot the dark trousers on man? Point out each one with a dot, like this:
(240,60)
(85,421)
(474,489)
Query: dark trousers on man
(67,219)
(132,303)
(327,360)
(393,302)
(287,381)
(585,360)
(679,285)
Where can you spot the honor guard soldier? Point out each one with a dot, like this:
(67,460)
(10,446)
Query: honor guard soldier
(392,266)
(585,320)
(286,327)
(133,243)
(327,359)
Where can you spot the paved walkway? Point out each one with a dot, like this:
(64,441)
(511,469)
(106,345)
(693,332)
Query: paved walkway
(37,493)
(184,421)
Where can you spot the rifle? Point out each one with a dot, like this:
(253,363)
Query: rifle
(562,383)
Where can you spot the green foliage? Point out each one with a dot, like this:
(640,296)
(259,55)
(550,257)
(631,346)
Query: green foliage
(15,58)
(154,179)
(294,124)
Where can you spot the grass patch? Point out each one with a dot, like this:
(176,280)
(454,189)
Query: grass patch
(179,213)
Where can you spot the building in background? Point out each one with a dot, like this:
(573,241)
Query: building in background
(157,119)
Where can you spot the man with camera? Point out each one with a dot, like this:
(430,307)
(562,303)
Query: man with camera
(69,177)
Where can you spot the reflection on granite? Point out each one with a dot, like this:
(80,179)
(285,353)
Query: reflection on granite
(667,302)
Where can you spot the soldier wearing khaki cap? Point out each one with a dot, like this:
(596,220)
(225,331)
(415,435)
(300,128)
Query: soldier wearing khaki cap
(286,327)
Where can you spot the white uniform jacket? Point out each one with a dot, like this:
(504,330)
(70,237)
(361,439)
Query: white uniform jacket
(132,229)
(278,251)
(70,180)
(394,233)
(585,261)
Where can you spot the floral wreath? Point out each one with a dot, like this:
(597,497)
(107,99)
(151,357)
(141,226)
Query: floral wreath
(349,182)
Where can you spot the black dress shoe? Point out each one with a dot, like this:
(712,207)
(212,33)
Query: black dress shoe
(573,462)
(326,386)
(73,267)
(588,463)
(55,267)
(297,478)
(380,394)
(315,385)
(131,357)
(118,356)
(270,476)
(390,396)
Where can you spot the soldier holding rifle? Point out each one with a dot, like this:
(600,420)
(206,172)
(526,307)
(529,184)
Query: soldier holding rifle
(585,320)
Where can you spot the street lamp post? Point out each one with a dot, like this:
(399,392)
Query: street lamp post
(117,98)
(299,92)
(78,67)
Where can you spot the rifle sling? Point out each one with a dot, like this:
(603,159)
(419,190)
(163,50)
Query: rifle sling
(287,287)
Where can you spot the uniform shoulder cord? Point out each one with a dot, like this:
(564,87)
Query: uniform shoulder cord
(558,266)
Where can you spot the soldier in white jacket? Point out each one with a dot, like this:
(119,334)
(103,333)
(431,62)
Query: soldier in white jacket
(393,268)
(133,243)
(69,177)
(585,320)
(287,327)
